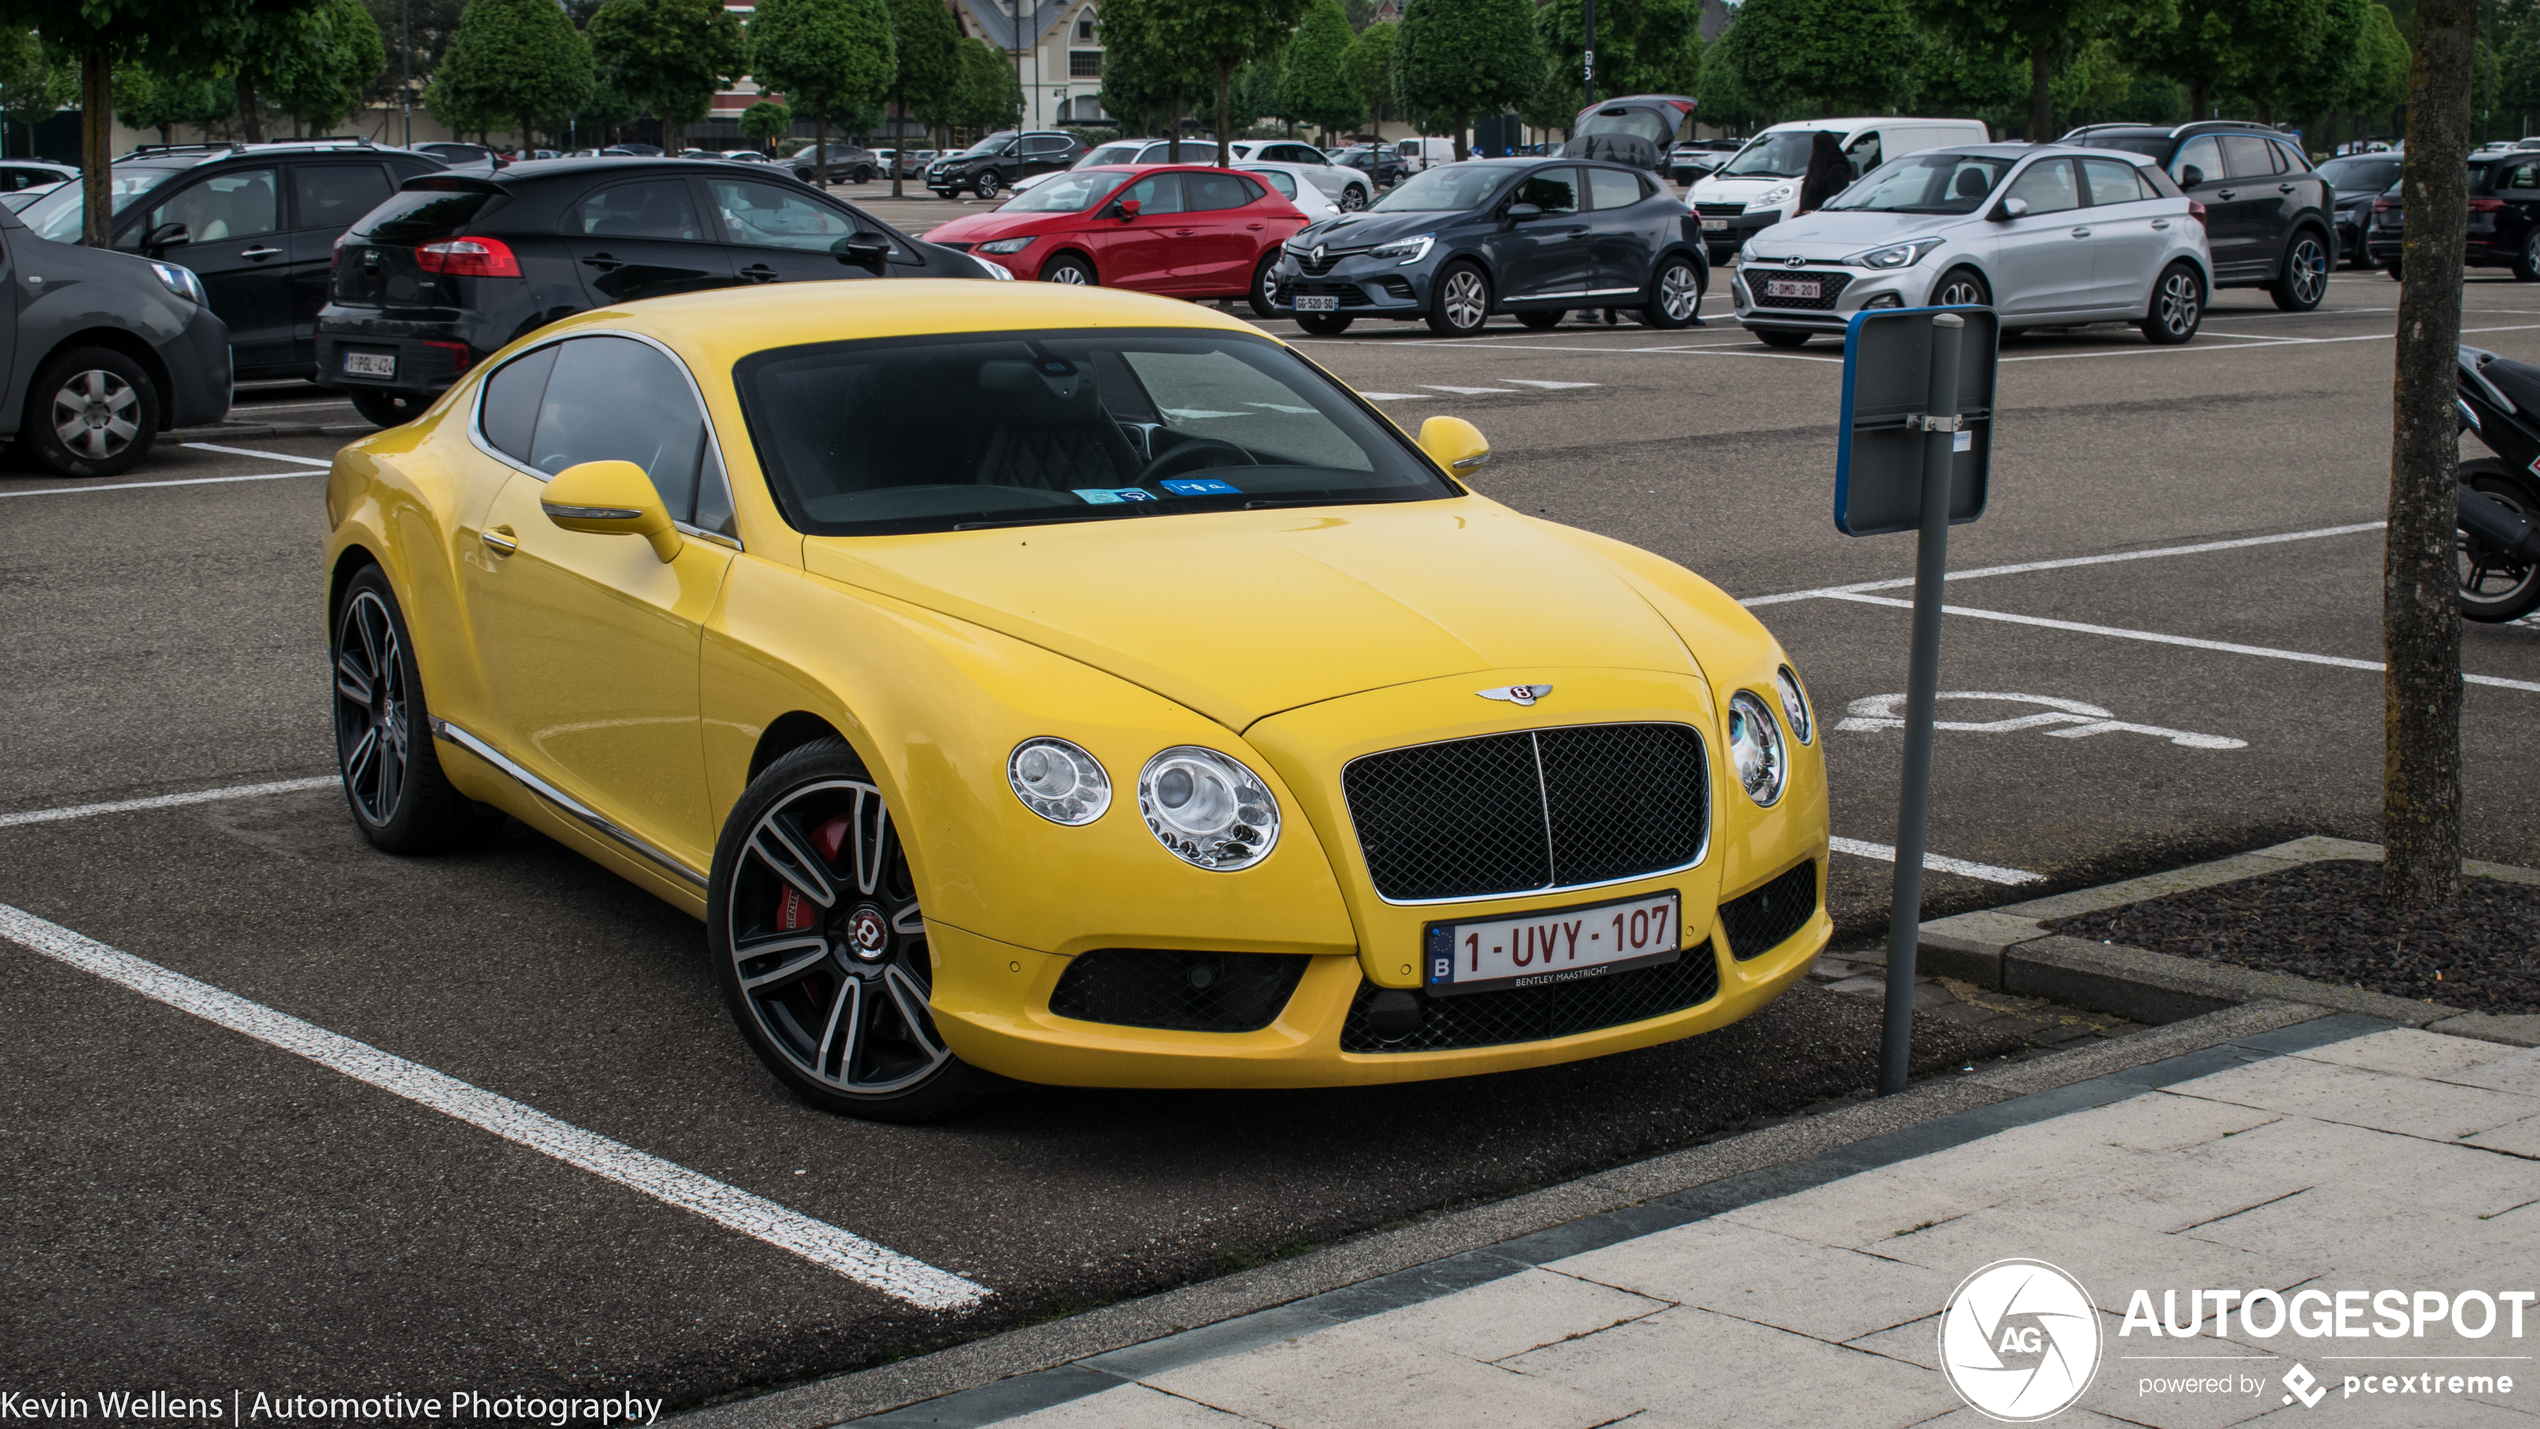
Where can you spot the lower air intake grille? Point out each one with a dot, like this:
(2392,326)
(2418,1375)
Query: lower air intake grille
(1720,210)
(1763,920)
(1178,991)
(1538,1014)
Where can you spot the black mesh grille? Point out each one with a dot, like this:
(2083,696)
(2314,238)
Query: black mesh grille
(1182,991)
(1470,817)
(1537,1014)
(1830,286)
(1761,921)
(1720,210)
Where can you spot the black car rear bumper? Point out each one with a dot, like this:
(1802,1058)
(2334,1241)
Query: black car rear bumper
(429,356)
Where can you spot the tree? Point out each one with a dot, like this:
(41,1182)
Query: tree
(2042,32)
(1221,34)
(2212,46)
(926,70)
(1143,72)
(1460,58)
(990,96)
(418,34)
(1843,56)
(33,86)
(148,99)
(765,122)
(513,62)
(1314,80)
(1642,47)
(668,56)
(1370,66)
(318,65)
(823,55)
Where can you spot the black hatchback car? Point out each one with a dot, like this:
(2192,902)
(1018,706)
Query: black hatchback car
(996,163)
(2358,179)
(2269,216)
(2504,217)
(455,266)
(1536,238)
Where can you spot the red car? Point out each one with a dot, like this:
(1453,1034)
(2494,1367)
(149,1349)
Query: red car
(1179,229)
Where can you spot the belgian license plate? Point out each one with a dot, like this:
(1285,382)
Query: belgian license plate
(1715,225)
(1553,945)
(1793,288)
(370,364)
(1314,303)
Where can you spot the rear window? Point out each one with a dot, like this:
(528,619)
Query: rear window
(2151,146)
(421,215)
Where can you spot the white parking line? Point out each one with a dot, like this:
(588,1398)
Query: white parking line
(166,801)
(1886,853)
(269,456)
(138,485)
(2066,562)
(899,1276)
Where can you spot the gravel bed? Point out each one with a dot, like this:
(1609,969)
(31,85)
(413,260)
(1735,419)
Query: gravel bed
(2326,921)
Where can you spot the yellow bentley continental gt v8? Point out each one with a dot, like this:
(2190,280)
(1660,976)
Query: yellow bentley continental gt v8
(1069,686)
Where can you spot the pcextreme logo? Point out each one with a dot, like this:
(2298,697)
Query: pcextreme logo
(2019,1341)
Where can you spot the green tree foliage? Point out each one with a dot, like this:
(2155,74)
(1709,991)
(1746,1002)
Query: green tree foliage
(145,98)
(1370,69)
(991,97)
(926,68)
(1796,57)
(1975,83)
(2318,59)
(1315,85)
(823,56)
(1642,47)
(513,64)
(327,72)
(1255,96)
(34,86)
(2044,33)
(668,57)
(1459,58)
(1221,34)
(765,122)
(418,37)
(2209,45)
(1146,78)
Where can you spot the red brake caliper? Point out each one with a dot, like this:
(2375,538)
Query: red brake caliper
(794,912)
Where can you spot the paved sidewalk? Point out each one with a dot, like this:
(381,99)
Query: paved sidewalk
(2327,1156)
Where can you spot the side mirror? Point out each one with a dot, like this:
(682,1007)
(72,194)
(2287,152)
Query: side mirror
(1128,207)
(166,235)
(2190,177)
(2011,208)
(1455,444)
(610,498)
(1523,212)
(867,249)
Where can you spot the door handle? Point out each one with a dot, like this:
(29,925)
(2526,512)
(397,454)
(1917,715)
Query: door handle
(2228,193)
(499,540)
(2081,233)
(759,273)
(603,262)
(258,253)
(2284,188)
(2160,223)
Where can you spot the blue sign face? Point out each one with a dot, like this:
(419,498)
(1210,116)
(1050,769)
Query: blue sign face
(1199,486)
(1878,472)
(1113,495)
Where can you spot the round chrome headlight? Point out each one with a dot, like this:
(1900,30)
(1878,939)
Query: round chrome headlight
(1795,705)
(1058,781)
(1755,746)
(1208,809)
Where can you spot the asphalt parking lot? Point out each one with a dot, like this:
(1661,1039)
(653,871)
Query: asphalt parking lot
(2169,617)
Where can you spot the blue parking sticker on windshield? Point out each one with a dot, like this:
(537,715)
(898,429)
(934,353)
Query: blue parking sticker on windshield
(1199,486)
(1113,495)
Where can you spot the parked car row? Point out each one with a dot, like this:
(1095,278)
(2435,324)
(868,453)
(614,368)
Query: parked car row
(2503,224)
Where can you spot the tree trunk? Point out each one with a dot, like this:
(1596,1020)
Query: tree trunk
(2200,93)
(899,149)
(2420,614)
(819,146)
(667,146)
(251,114)
(96,146)
(528,141)
(2041,94)
(1173,130)
(1225,110)
(1463,122)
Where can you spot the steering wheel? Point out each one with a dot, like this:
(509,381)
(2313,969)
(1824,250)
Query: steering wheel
(1177,459)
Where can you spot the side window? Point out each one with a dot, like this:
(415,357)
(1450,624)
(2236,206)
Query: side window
(1552,190)
(1864,153)
(242,203)
(1042,144)
(2201,154)
(2248,156)
(1206,192)
(2111,181)
(1612,188)
(2523,180)
(766,216)
(616,399)
(510,412)
(332,196)
(1157,193)
(654,208)
(2047,185)
(2289,159)
(1285,185)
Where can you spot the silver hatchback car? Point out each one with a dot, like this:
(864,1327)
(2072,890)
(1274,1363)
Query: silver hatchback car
(2046,235)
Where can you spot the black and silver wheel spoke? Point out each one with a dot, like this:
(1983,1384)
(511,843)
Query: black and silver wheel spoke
(785,852)
(371,708)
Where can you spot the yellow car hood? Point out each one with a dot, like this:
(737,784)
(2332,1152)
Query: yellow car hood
(1242,614)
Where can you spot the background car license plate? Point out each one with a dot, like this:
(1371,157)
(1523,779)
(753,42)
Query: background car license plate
(1793,288)
(1310,303)
(1715,225)
(370,364)
(1553,945)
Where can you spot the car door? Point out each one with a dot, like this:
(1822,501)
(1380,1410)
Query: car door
(2263,198)
(1625,234)
(1136,252)
(234,240)
(1044,153)
(1549,256)
(2131,228)
(326,199)
(783,232)
(2042,258)
(2226,220)
(1215,252)
(589,643)
(642,238)
(2517,187)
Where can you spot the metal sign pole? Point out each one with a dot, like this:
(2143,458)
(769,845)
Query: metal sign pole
(1922,690)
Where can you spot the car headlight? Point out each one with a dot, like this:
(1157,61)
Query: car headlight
(1772,196)
(997,271)
(1795,705)
(1409,250)
(1209,810)
(181,281)
(1058,781)
(1755,746)
(1006,245)
(1895,255)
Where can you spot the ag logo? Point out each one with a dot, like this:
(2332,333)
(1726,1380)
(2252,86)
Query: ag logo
(2019,1341)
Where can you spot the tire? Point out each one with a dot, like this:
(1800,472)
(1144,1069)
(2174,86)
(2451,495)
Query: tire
(2527,267)
(1070,269)
(988,185)
(1264,292)
(1324,324)
(1961,288)
(943,193)
(1676,295)
(1353,198)
(2178,306)
(860,176)
(2495,594)
(387,409)
(2304,281)
(2392,268)
(1784,337)
(384,751)
(91,412)
(1542,319)
(826,969)
(1460,304)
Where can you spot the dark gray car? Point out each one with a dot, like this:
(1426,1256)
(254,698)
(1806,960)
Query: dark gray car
(103,352)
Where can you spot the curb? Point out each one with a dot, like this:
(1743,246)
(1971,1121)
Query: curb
(2009,949)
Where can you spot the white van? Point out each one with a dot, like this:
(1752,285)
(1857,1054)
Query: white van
(1418,154)
(1759,185)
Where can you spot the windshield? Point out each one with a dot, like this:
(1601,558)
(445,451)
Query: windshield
(1071,192)
(943,433)
(1772,156)
(1927,183)
(57,215)
(994,143)
(1638,123)
(1112,154)
(2374,173)
(1451,189)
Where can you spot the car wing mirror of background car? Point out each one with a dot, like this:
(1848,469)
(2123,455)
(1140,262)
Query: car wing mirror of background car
(865,249)
(2009,209)
(2190,177)
(611,498)
(166,235)
(1455,444)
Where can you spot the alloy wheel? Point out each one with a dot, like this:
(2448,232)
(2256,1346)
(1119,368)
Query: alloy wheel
(1960,291)
(2488,580)
(1678,293)
(1464,301)
(96,414)
(2308,272)
(1354,199)
(827,942)
(371,707)
(1069,273)
(2179,303)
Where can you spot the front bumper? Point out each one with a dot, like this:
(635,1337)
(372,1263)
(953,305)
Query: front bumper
(199,373)
(1843,292)
(1366,287)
